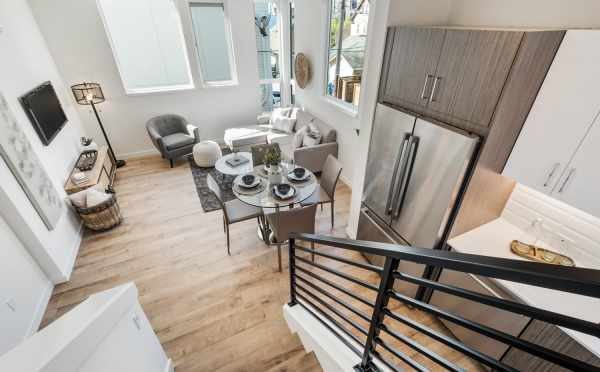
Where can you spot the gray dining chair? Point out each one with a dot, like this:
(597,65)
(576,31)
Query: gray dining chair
(234,211)
(294,220)
(325,192)
(259,152)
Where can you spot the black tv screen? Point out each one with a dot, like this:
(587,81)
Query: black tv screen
(44,111)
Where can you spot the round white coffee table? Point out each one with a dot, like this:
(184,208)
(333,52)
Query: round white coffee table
(227,169)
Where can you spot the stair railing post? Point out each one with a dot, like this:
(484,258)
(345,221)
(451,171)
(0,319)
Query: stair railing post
(291,254)
(387,283)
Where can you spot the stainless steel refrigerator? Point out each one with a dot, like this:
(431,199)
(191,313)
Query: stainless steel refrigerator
(416,170)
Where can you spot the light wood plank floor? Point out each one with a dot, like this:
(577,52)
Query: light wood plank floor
(211,311)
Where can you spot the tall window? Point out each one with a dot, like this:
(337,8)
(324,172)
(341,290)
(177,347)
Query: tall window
(347,21)
(268,45)
(213,42)
(148,45)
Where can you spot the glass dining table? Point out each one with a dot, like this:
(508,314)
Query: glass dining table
(263,195)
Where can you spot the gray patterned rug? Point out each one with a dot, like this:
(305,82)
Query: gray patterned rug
(207,198)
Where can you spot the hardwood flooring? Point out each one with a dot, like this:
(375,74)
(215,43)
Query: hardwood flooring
(211,311)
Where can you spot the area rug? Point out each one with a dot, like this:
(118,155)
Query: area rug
(208,201)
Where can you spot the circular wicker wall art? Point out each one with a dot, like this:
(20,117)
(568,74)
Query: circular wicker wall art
(302,70)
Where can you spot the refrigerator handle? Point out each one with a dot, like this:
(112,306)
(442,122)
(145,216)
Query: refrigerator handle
(405,175)
(392,188)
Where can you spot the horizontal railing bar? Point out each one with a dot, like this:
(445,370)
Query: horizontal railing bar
(329,307)
(338,273)
(422,349)
(361,314)
(568,279)
(542,352)
(334,322)
(515,307)
(400,355)
(362,299)
(456,345)
(330,328)
(369,267)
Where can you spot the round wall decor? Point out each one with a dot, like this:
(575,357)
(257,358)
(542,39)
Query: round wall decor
(302,70)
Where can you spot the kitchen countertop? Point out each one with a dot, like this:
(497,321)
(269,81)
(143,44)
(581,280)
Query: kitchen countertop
(493,239)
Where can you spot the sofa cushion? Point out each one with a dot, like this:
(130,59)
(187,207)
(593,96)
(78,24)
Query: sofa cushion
(327,132)
(299,137)
(283,124)
(312,137)
(252,135)
(177,140)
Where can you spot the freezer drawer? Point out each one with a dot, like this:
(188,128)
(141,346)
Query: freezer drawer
(369,230)
(502,320)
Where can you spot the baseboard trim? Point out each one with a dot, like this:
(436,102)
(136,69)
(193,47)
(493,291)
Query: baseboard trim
(74,253)
(137,154)
(169,367)
(40,310)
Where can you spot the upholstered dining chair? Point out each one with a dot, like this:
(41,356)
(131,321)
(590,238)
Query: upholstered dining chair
(234,211)
(325,192)
(259,152)
(294,220)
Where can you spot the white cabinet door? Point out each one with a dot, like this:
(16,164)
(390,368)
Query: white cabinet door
(579,185)
(565,108)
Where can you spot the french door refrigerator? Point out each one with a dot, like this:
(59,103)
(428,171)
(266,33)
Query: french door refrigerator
(415,172)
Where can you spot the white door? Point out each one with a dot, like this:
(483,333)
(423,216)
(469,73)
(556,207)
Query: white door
(579,185)
(565,108)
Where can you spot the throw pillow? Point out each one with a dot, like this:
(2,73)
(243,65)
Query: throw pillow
(279,113)
(95,197)
(284,124)
(79,199)
(299,137)
(313,136)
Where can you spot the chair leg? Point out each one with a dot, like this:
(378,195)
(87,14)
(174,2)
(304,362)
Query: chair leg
(321,207)
(224,224)
(332,213)
(228,251)
(312,246)
(279,255)
(171,162)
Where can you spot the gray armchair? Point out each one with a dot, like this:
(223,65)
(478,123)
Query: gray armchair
(172,136)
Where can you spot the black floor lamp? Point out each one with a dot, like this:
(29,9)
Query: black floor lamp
(91,94)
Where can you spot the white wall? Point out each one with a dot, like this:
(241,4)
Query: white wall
(23,286)
(82,52)
(25,62)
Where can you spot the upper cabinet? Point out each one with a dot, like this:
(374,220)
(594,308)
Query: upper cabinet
(455,76)
(559,142)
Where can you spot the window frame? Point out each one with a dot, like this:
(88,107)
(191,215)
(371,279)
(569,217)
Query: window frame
(339,103)
(230,47)
(150,90)
(281,56)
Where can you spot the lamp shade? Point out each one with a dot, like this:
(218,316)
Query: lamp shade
(88,93)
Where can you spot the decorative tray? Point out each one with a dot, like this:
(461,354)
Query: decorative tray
(543,255)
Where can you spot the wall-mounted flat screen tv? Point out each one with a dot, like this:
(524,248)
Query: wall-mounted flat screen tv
(44,111)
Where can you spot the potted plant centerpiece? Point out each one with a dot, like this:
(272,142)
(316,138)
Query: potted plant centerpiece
(272,164)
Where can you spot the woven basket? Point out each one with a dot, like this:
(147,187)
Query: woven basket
(103,216)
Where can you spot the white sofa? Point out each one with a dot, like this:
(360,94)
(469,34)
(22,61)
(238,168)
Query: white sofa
(311,157)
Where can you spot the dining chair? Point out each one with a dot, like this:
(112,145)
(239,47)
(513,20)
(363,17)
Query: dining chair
(325,192)
(259,152)
(294,220)
(234,211)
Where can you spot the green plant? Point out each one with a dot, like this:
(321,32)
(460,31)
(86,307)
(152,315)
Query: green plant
(273,156)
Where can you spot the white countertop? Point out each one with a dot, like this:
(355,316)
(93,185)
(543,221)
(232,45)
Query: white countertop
(493,239)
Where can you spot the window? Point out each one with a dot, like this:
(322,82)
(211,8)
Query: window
(148,45)
(213,42)
(268,45)
(347,22)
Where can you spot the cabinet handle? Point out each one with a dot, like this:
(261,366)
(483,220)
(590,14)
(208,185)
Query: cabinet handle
(566,181)
(435,84)
(427,77)
(551,174)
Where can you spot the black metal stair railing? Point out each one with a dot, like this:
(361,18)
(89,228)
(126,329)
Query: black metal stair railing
(364,331)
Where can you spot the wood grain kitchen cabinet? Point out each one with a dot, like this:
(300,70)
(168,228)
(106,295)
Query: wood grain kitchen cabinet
(560,119)
(470,75)
(502,320)
(411,60)
(551,337)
